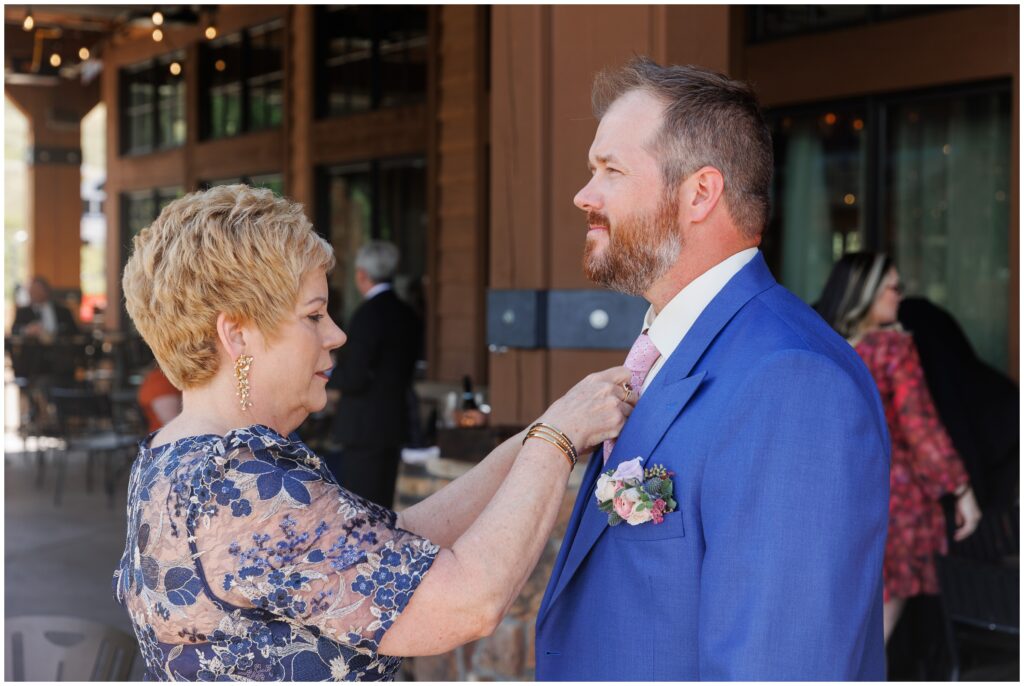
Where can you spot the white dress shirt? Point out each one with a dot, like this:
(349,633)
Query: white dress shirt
(377,290)
(668,327)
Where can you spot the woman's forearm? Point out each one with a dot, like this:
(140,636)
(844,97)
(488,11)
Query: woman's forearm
(472,584)
(447,514)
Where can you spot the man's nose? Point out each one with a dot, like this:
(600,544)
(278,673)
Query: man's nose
(587,199)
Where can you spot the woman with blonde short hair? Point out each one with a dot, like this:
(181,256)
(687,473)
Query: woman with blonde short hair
(244,558)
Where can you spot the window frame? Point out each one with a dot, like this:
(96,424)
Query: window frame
(151,67)
(322,93)
(245,76)
(877,237)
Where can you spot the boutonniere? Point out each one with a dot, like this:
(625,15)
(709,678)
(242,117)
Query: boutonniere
(635,495)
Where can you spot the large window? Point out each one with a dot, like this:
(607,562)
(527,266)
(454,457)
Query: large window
(383,199)
(242,81)
(152,104)
(923,177)
(370,57)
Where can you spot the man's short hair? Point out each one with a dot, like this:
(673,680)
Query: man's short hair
(379,259)
(709,120)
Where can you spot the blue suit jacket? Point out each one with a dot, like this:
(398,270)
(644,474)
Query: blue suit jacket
(771,567)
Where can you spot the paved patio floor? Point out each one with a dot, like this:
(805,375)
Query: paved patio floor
(58,560)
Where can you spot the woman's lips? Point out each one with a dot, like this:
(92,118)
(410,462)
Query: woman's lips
(326,376)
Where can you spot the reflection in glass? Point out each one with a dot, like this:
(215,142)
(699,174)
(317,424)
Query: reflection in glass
(170,98)
(370,57)
(948,209)
(820,194)
(349,197)
(266,76)
(386,200)
(153,104)
(222,65)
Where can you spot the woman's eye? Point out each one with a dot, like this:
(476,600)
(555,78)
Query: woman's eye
(316,317)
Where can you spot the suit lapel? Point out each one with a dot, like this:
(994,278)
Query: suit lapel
(659,406)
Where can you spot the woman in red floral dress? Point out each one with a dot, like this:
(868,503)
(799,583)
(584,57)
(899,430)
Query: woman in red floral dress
(860,301)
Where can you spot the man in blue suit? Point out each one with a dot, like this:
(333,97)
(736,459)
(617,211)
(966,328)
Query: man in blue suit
(770,567)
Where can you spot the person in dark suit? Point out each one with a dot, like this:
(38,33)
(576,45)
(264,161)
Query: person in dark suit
(43,318)
(374,375)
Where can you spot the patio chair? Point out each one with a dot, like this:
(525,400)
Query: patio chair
(85,424)
(55,648)
(980,593)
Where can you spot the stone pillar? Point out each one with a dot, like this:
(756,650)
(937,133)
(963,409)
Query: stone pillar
(54,212)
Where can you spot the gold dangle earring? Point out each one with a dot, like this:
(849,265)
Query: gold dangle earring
(242,365)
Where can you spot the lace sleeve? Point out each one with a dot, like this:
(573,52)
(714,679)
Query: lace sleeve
(288,540)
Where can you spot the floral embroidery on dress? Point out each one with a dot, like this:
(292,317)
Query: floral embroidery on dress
(245,560)
(924,464)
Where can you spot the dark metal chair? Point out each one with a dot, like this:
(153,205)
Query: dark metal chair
(86,424)
(979,584)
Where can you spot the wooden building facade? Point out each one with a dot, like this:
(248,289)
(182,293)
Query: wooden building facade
(464,139)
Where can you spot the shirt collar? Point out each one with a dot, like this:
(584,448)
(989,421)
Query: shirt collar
(667,328)
(377,290)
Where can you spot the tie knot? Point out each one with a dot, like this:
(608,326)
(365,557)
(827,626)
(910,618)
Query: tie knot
(642,356)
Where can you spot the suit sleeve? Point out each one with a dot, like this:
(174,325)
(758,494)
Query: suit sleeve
(23,316)
(357,360)
(794,506)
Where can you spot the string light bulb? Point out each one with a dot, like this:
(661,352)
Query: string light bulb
(211,32)
(175,68)
(54,60)
(158,35)
(158,18)
(83,53)
(29,23)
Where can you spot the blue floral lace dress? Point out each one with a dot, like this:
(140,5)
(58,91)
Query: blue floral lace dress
(245,560)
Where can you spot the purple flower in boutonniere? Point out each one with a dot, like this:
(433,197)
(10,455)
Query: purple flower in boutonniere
(635,495)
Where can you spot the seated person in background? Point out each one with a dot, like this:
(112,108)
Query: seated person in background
(43,318)
(159,399)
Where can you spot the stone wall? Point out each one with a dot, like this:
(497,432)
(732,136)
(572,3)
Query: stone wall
(507,654)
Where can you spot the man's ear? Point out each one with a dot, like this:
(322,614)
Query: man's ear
(232,335)
(701,192)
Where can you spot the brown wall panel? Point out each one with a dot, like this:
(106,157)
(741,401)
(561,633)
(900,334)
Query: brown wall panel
(518,381)
(952,46)
(575,57)
(253,153)
(520,146)
(568,367)
(695,34)
(459,192)
(387,133)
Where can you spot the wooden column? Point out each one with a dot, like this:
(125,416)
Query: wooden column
(460,195)
(543,60)
(54,209)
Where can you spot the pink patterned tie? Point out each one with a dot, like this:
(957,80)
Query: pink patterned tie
(640,359)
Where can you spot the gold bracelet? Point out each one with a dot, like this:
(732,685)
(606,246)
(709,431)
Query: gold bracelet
(556,438)
(561,449)
(551,430)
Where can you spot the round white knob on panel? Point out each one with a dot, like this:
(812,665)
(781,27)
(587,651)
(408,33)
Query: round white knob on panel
(599,319)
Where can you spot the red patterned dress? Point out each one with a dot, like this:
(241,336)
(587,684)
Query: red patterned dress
(925,465)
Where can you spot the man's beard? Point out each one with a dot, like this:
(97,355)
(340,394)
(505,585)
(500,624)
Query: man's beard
(639,251)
